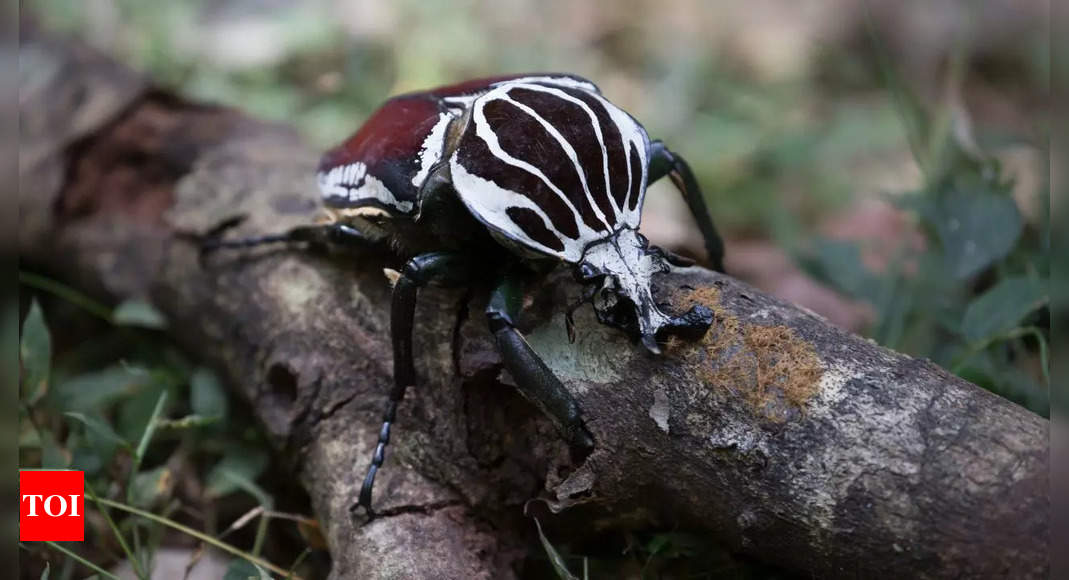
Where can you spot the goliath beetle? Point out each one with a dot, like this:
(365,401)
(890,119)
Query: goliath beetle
(488,181)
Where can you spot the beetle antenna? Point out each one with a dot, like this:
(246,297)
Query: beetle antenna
(212,244)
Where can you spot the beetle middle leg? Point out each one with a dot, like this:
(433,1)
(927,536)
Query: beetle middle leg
(533,377)
(664,162)
(439,268)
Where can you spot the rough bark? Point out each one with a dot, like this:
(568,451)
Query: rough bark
(780,435)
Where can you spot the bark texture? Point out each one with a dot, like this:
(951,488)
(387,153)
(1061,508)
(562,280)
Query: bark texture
(780,435)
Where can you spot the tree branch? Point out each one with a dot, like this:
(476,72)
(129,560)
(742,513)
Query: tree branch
(780,435)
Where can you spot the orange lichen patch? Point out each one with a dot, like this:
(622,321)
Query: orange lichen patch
(707,295)
(786,366)
(770,367)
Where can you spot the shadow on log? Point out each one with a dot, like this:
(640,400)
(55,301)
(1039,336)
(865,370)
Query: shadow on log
(779,435)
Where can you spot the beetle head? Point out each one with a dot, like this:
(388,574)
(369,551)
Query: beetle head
(619,272)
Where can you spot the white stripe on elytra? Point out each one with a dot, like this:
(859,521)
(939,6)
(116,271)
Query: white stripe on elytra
(597,131)
(568,150)
(484,132)
(340,182)
(431,150)
(630,132)
(601,141)
(490,202)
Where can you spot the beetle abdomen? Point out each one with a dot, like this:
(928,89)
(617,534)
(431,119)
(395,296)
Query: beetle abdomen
(551,165)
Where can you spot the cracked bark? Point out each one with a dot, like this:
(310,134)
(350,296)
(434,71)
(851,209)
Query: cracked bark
(780,435)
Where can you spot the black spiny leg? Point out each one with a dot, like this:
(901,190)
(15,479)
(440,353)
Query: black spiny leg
(329,234)
(534,378)
(664,162)
(441,268)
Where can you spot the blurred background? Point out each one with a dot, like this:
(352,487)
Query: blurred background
(884,164)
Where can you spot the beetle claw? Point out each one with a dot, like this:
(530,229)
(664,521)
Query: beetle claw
(361,519)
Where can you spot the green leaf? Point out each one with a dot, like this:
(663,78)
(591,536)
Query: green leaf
(53,456)
(98,428)
(208,396)
(150,488)
(555,558)
(89,459)
(97,390)
(916,118)
(991,369)
(35,352)
(679,545)
(65,293)
(657,543)
(134,413)
(975,227)
(187,422)
(1001,309)
(248,486)
(839,264)
(146,438)
(240,569)
(47,571)
(138,313)
(238,465)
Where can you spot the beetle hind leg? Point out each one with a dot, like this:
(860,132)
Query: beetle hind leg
(665,162)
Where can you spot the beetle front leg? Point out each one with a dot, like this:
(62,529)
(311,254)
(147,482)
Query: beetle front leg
(440,268)
(664,162)
(533,377)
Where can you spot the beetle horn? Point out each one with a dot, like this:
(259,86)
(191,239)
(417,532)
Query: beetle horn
(690,326)
(625,266)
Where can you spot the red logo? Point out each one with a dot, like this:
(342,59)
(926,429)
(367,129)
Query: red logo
(51,506)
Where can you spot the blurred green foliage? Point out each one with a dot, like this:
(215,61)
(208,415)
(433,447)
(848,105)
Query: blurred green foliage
(974,296)
(112,397)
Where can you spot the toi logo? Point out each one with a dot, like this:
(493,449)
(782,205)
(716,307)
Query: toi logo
(51,506)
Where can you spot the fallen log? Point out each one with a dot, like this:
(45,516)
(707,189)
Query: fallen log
(780,435)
